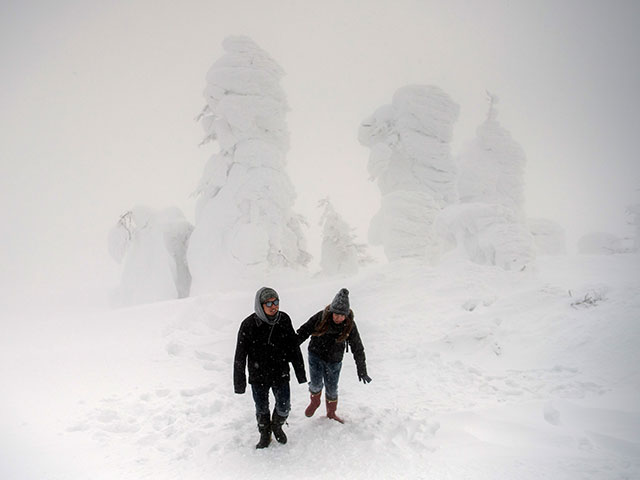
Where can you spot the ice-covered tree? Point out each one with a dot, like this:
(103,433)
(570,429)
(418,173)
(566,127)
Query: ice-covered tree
(411,161)
(489,225)
(492,169)
(341,254)
(151,246)
(244,219)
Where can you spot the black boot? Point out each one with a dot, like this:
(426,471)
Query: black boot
(276,424)
(264,427)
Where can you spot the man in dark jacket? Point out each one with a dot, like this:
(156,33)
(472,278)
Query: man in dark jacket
(332,330)
(268,341)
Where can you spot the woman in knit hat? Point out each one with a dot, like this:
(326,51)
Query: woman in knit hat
(332,330)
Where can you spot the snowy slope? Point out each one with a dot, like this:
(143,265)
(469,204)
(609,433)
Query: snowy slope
(477,373)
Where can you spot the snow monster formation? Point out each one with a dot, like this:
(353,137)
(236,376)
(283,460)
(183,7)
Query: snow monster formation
(410,159)
(244,224)
(492,168)
(489,225)
(151,246)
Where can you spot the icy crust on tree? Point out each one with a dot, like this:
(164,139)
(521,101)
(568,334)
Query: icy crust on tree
(411,161)
(244,218)
(548,236)
(492,169)
(244,99)
(485,234)
(340,254)
(152,247)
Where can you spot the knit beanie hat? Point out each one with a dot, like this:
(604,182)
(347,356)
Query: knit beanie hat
(266,293)
(340,304)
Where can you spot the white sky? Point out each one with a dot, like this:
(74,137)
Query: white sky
(98,102)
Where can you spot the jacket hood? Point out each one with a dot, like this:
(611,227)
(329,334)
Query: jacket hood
(257,308)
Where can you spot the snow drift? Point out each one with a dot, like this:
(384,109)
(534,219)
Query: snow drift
(478,373)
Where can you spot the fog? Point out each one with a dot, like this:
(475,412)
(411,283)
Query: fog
(98,107)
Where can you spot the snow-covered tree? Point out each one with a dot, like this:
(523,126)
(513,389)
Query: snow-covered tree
(491,171)
(411,161)
(489,225)
(151,246)
(340,252)
(244,218)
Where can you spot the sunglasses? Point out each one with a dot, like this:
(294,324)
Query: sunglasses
(276,302)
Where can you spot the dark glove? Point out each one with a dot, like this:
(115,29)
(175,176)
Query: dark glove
(239,389)
(363,377)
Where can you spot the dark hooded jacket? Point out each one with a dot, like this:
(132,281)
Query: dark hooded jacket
(266,346)
(330,340)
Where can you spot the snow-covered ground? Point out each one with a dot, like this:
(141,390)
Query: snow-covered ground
(477,373)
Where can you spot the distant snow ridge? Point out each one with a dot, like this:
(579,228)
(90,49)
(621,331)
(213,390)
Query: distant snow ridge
(488,227)
(151,246)
(410,158)
(601,243)
(548,236)
(244,220)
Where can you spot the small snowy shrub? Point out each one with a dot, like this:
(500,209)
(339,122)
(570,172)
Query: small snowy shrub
(340,252)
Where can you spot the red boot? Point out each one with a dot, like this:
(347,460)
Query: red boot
(331,410)
(313,405)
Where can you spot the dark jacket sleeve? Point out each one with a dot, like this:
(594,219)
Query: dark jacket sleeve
(295,355)
(355,342)
(240,361)
(307,328)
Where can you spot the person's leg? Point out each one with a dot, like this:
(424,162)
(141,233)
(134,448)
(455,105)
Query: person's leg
(331,379)
(316,376)
(282,393)
(261,400)
(316,373)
